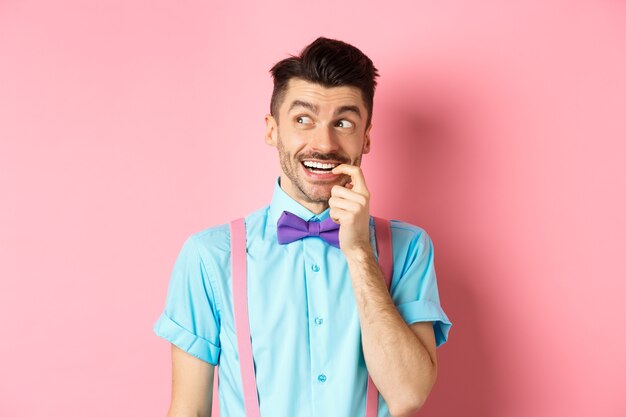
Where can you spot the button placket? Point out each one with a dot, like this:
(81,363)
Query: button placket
(317,282)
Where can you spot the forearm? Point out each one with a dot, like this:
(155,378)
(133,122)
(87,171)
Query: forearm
(396,359)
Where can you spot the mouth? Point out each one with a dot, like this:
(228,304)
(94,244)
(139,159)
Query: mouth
(319,167)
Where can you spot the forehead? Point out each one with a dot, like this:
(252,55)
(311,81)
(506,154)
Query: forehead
(299,89)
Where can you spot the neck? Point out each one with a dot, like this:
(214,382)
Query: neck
(316,208)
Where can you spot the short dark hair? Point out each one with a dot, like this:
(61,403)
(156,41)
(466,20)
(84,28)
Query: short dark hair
(330,63)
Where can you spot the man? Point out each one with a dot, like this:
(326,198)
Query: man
(320,317)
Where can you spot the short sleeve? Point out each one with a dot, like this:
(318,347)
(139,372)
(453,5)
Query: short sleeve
(190,319)
(414,286)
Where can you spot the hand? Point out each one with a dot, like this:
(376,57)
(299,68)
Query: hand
(349,207)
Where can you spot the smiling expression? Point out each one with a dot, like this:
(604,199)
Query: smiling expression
(317,128)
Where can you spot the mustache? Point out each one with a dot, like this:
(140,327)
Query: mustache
(326,157)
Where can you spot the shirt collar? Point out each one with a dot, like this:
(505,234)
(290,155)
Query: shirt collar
(281,201)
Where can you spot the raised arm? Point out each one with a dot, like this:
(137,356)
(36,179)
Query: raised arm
(400,358)
(192,385)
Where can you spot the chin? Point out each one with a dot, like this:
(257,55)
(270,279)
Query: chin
(318,194)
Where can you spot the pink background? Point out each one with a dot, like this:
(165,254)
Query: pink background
(125,126)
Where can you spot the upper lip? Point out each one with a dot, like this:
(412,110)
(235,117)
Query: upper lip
(322,161)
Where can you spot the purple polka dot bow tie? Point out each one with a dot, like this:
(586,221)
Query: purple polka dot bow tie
(292,228)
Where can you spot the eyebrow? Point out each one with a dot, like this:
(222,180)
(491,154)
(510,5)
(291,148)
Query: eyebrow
(315,109)
(310,106)
(352,109)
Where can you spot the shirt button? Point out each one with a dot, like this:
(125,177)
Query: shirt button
(321,378)
(315,268)
(319,320)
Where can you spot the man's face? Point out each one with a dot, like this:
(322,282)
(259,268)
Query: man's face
(318,128)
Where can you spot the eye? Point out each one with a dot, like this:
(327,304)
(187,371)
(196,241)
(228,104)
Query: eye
(345,124)
(303,120)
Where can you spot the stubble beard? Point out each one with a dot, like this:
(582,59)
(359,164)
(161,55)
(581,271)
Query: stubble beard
(312,194)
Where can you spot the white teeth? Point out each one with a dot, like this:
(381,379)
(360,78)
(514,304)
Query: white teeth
(319,165)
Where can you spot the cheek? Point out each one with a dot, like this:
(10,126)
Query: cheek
(354,146)
(293,139)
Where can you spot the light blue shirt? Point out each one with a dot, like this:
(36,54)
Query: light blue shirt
(304,323)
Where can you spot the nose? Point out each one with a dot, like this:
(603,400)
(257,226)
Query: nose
(324,140)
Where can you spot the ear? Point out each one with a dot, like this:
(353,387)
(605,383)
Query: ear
(271,130)
(366,145)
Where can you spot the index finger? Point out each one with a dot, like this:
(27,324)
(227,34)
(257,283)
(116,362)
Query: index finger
(356,175)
